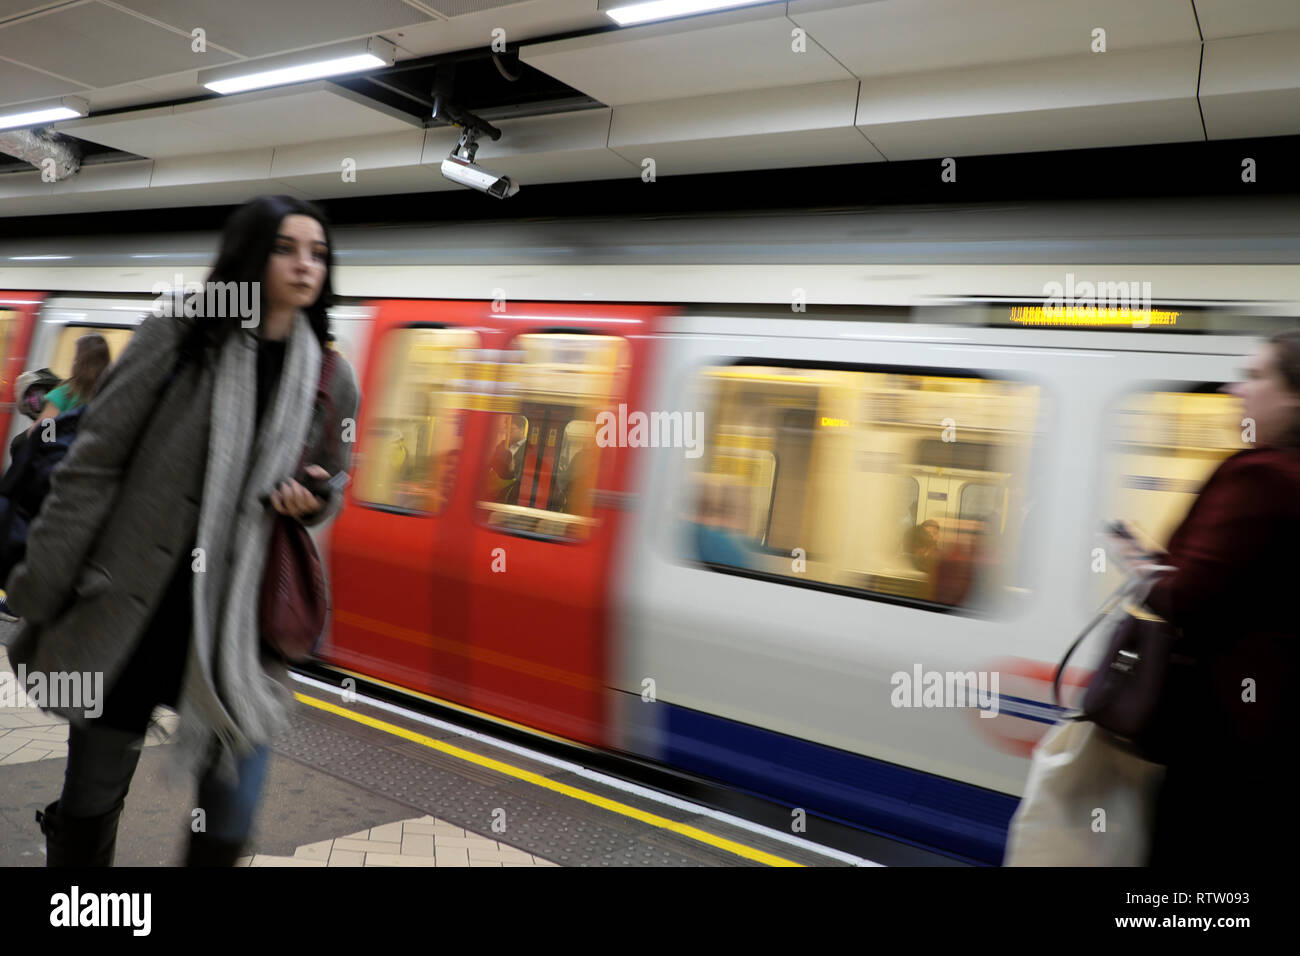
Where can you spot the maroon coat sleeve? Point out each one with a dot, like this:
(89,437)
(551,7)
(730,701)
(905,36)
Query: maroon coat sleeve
(1217,550)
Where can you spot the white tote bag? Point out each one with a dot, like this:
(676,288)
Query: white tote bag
(1086,803)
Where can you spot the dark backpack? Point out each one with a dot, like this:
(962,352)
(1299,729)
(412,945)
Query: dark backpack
(27,482)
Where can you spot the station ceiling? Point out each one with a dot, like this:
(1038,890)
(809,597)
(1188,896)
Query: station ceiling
(778,85)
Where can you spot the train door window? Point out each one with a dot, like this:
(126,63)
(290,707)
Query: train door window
(1164,445)
(545,453)
(65,347)
(8,323)
(779,443)
(866,491)
(408,456)
(981,502)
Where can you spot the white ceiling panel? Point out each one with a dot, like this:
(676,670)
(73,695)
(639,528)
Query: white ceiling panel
(720,53)
(804,126)
(297,114)
(520,21)
(367,153)
(106,177)
(1250,86)
(23,193)
(1126,124)
(15,8)
(768,151)
(157,197)
(99,45)
(888,37)
(259,28)
(1231,18)
(462,8)
(384,164)
(306,113)
(1036,105)
(148,132)
(19,84)
(1159,75)
(378,182)
(211,168)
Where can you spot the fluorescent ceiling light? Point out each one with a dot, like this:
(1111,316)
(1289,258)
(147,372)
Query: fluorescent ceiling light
(333,60)
(69,107)
(627,12)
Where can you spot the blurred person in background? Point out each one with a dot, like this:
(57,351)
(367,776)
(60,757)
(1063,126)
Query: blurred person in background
(90,359)
(189,448)
(27,481)
(506,465)
(921,544)
(961,573)
(717,528)
(1233,597)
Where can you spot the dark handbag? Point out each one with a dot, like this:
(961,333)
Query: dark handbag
(294,604)
(1132,692)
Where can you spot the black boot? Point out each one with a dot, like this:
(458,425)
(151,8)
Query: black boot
(78,841)
(209,851)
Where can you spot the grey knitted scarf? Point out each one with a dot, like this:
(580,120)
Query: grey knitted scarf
(227,692)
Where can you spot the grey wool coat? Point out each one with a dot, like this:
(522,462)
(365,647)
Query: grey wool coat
(126,500)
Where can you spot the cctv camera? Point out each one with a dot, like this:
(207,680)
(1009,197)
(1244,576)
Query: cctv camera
(466,173)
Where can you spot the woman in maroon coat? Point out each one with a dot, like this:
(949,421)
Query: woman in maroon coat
(1234,599)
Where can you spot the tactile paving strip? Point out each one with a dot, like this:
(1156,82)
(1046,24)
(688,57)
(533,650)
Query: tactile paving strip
(558,828)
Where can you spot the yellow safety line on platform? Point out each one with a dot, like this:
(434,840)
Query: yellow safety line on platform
(613,806)
(452,705)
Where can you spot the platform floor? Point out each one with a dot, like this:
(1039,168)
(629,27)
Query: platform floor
(353,785)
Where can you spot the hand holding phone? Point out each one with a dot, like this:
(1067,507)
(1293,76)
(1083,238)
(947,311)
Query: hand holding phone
(325,489)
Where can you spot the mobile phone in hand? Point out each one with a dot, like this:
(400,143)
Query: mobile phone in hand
(326,489)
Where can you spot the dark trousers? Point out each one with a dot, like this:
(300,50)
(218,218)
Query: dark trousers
(103,753)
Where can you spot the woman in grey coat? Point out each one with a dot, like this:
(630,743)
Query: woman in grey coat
(144,566)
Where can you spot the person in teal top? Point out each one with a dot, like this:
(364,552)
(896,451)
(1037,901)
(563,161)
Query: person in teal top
(89,361)
(62,399)
(88,364)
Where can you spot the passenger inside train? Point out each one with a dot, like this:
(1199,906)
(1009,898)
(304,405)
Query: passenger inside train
(505,467)
(717,529)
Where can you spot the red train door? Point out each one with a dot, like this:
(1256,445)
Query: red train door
(544,530)
(18,315)
(397,549)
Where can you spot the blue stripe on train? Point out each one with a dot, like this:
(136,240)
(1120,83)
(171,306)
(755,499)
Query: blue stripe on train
(929,810)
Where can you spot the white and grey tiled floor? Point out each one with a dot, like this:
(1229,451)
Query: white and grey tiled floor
(28,735)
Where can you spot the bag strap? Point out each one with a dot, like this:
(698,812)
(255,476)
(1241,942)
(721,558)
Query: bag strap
(1128,588)
(328,360)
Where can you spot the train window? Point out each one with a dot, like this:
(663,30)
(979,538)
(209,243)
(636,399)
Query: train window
(544,455)
(888,484)
(981,502)
(8,321)
(1164,445)
(407,458)
(65,347)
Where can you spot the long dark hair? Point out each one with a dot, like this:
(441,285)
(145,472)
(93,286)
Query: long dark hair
(1286,350)
(88,364)
(246,244)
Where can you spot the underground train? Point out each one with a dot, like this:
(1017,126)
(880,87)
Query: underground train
(804,504)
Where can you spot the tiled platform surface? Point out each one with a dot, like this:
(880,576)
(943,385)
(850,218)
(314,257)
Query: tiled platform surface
(425,794)
(424,841)
(28,735)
